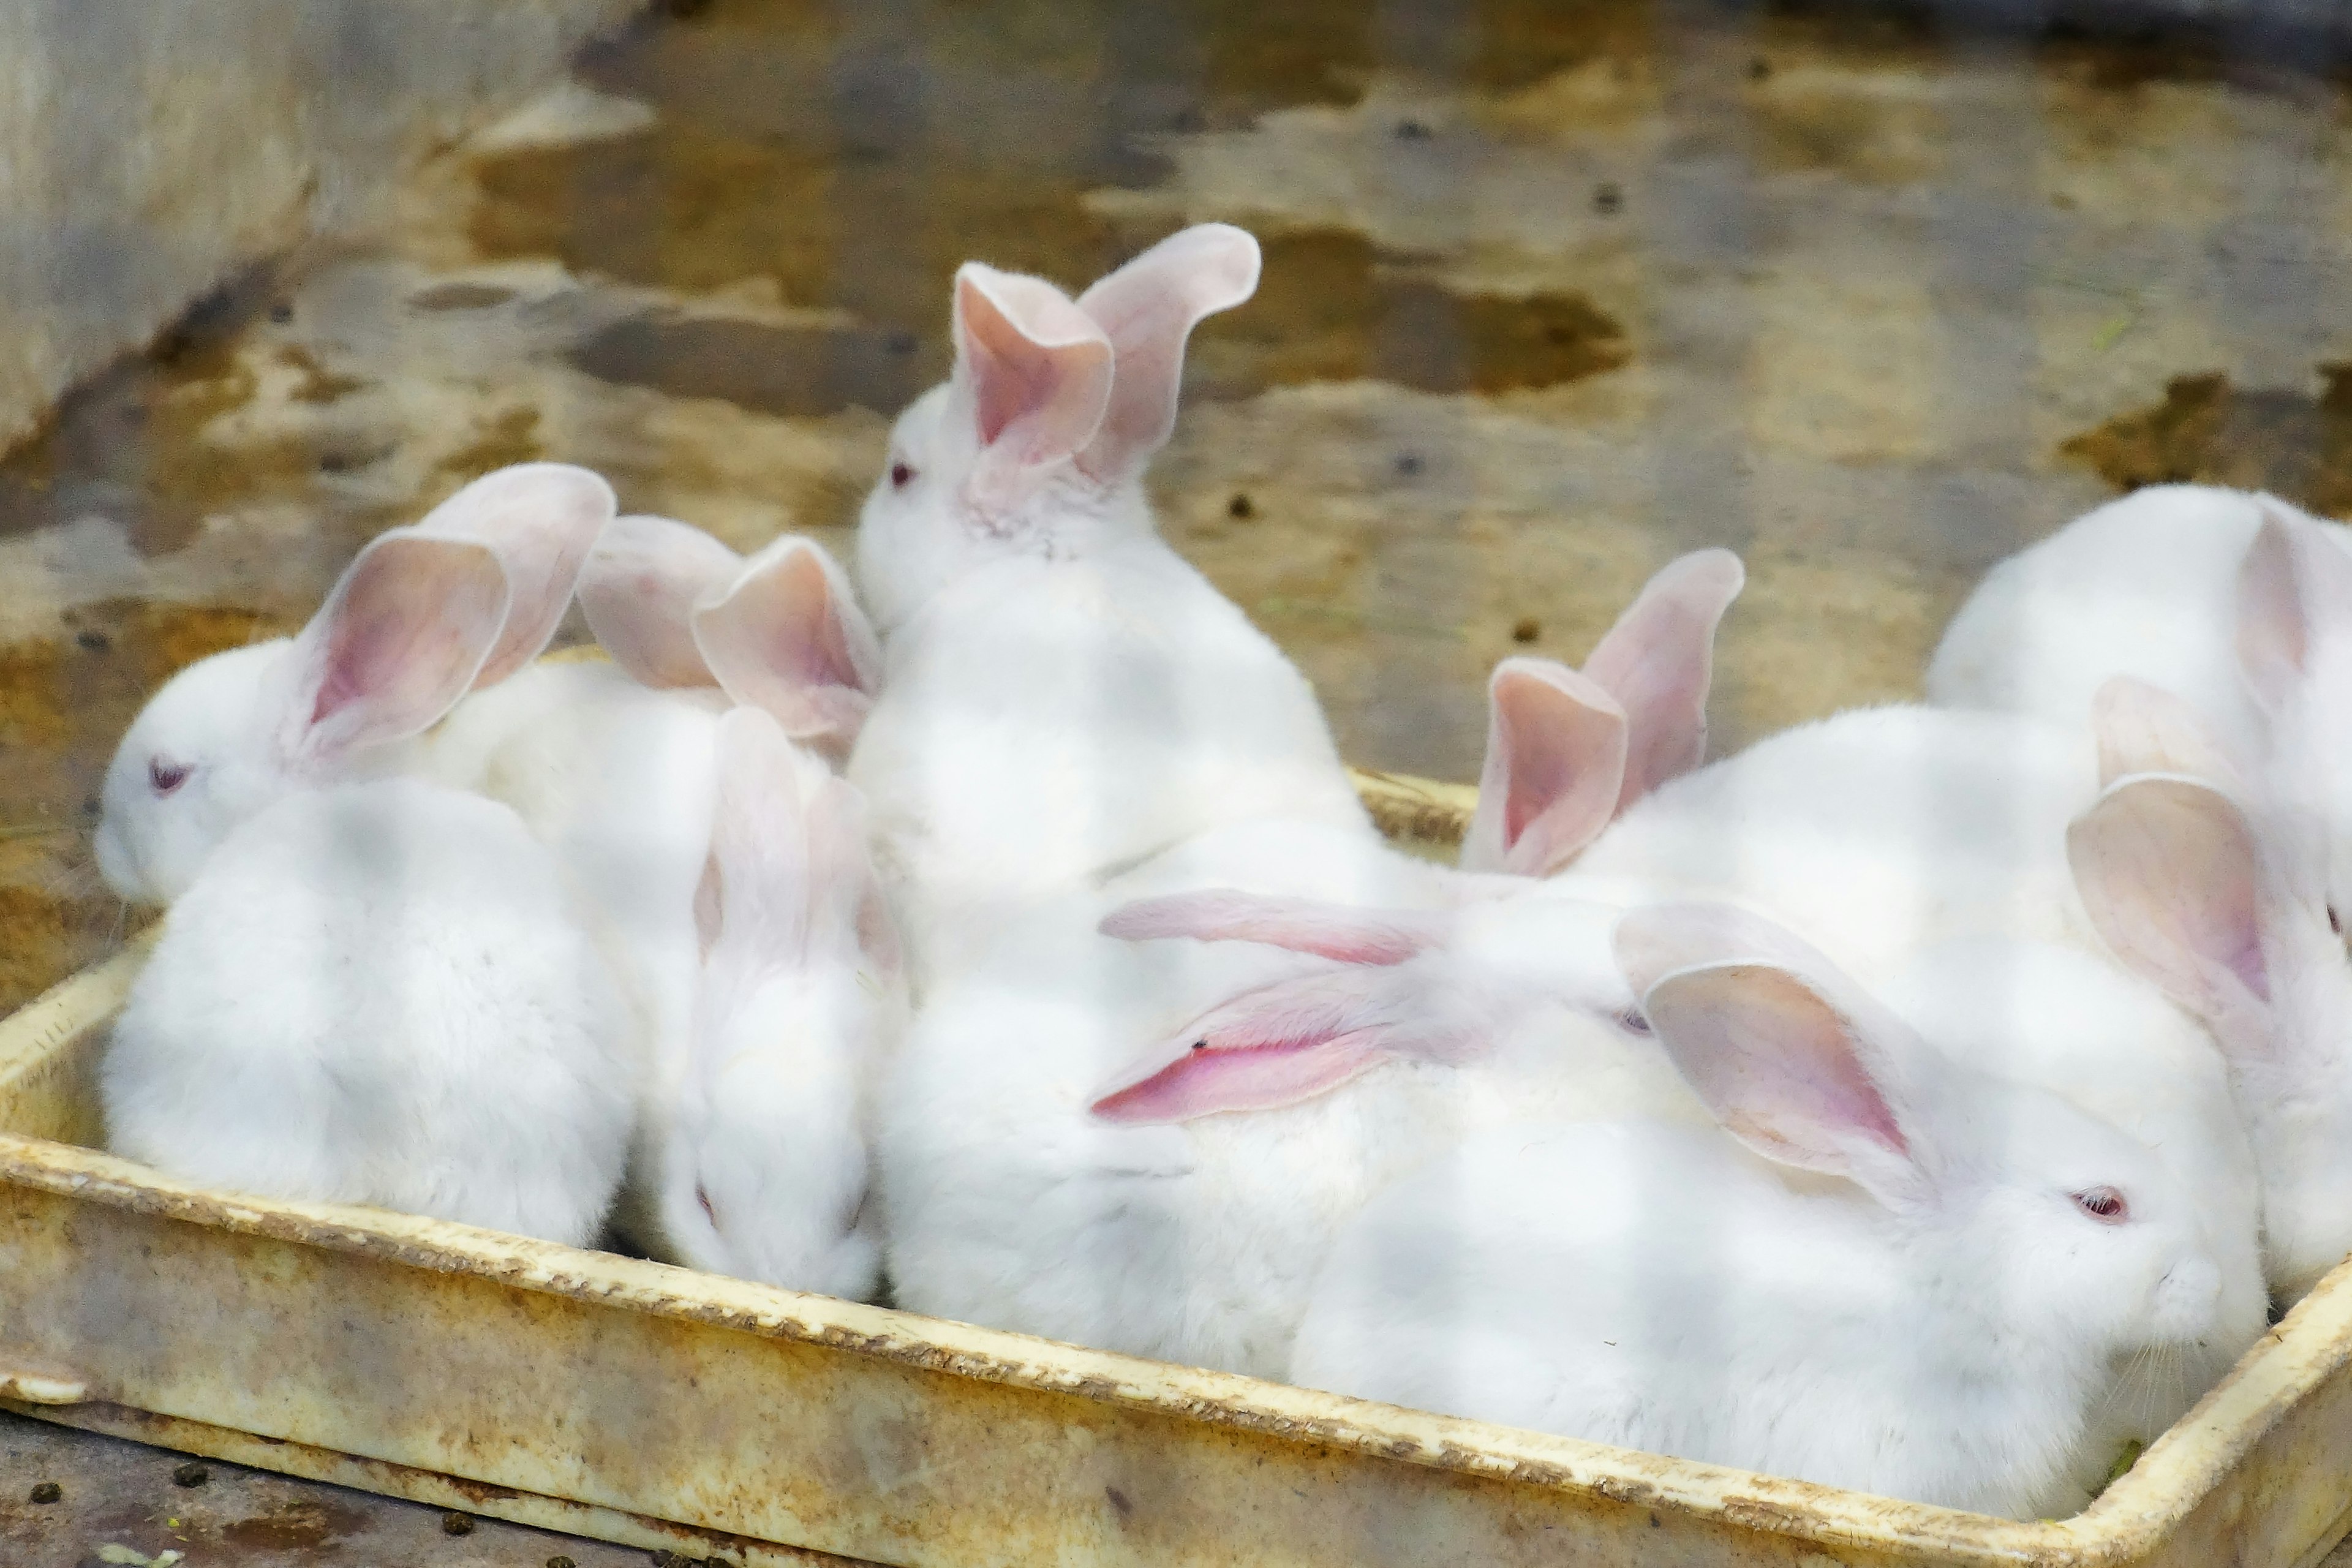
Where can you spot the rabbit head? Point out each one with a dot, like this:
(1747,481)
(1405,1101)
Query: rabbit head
(1568,750)
(781,631)
(2019,1204)
(2213,890)
(1035,444)
(426,613)
(798,988)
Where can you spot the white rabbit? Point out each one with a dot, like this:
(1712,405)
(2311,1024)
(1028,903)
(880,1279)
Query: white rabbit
(620,778)
(1006,1149)
(464,598)
(2214,893)
(1065,696)
(377,993)
(763,1164)
(2209,594)
(1913,1281)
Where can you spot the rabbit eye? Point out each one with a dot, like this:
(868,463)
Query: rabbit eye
(1632,1022)
(901,476)
(166,776)
(2335,920)
(2103,1203)
(704,1199)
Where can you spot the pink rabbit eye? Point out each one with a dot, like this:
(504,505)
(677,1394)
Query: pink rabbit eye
(901,476)
(1632,1022)
(2103,1203)
(166,776)
(704,1199)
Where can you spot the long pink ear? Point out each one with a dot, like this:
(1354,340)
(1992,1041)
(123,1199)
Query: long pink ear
(787,635)
(1276,1046)
(847,911)
(2294,591)
(1554,772)
(1791,1057)
(1037,374)
(401,637)
(1149,308)
(2144,729)
(639,590)
(1658,661)
(1340,931)
(541,519)
(2169,871)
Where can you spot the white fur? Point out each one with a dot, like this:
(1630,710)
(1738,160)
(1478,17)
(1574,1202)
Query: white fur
(377,993)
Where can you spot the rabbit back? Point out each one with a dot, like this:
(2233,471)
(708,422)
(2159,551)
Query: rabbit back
(377,993)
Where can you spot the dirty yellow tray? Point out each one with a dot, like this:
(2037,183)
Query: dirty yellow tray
(654,1405)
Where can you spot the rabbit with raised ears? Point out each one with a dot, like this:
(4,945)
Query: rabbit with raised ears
(462,599)
(2219,895)
(1895,1275)
(1065,695)
(378,994)
(763,1164)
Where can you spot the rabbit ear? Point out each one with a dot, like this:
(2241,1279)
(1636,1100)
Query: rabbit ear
(1554,773)
(1790,1057)
(1277,1045)
(760,859)
(847,914)
(787,635)
(2295,592)
(401,637)
(1036,372)
(541,519)
(1658,661)
(1149,308)
(2144,729)
(1340,931)
(639,590)
(2168,869)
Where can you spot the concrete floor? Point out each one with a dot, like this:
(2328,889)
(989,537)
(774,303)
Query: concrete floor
(1551,292)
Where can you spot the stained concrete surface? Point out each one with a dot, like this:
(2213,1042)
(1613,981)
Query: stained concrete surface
(1551,292)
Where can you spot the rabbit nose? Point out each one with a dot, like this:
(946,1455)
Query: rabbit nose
(2186,1297)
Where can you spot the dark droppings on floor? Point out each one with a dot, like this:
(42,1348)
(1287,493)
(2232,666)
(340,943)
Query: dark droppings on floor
(2294,442)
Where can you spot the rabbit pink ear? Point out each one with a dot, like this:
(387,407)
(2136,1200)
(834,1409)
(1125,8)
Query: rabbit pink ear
(2295,592)
(787,635)
(1554,771)
(400,639)
(1277,1045)
(2144,729)
(2169,871)
(1340,931)
(639,590)
(1036,371)
(847,911)
(541,519)
(1658,661)
(1790,1057)
(760,859)
(1149,308)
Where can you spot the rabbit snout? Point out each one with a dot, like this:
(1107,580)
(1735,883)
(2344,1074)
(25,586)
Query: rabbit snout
(2182,1305)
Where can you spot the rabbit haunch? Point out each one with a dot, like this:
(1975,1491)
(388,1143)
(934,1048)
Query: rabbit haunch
(1913,1281)
(1057,1158)
(379,994)
(1065,695)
